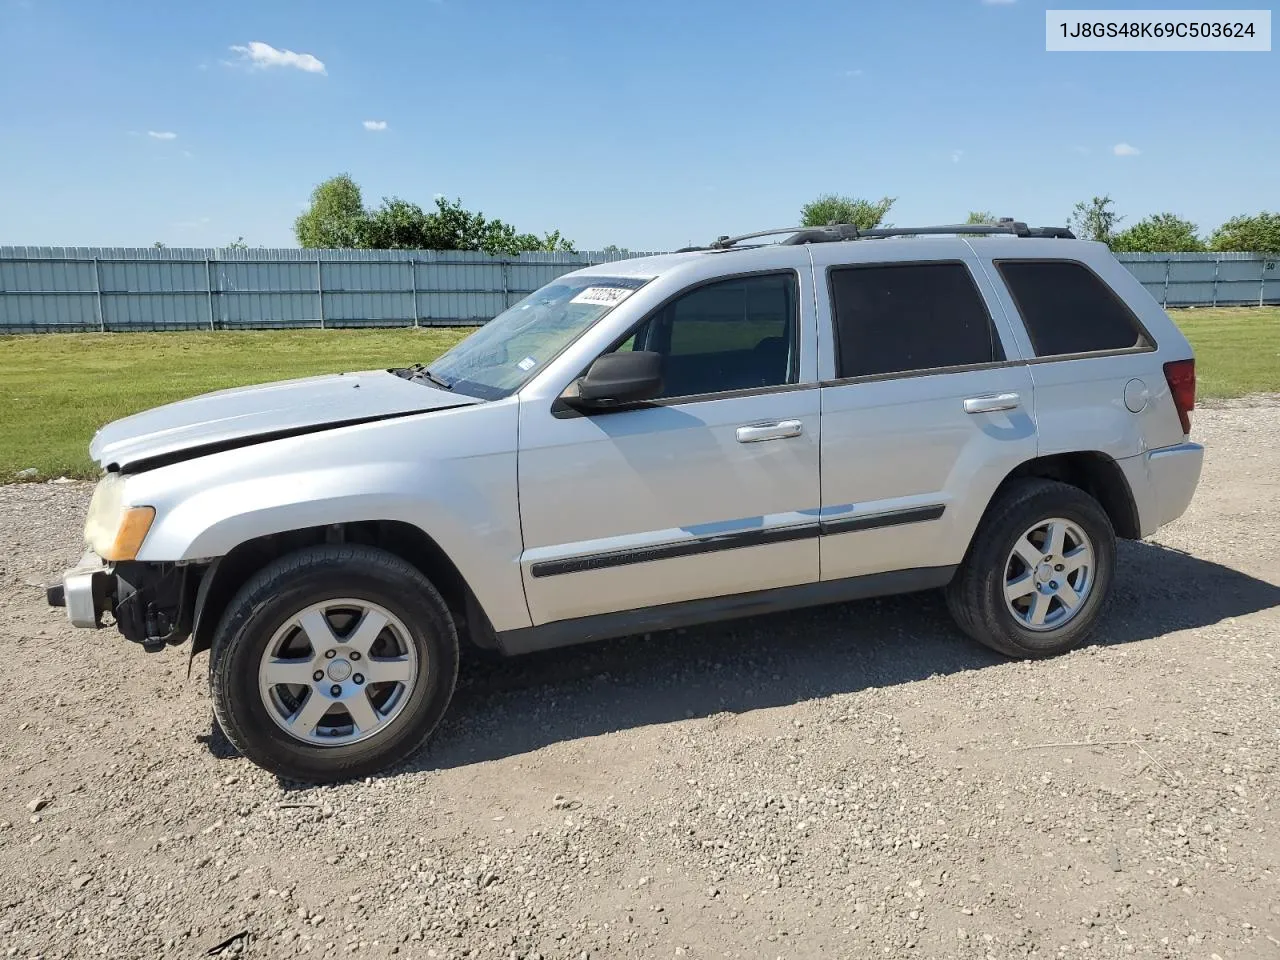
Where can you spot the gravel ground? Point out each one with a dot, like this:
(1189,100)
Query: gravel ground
(856,781)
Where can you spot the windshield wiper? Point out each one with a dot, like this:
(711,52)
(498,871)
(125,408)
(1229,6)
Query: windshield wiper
(420,371)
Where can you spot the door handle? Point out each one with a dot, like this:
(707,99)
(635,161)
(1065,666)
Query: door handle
(992,404)
(781,430)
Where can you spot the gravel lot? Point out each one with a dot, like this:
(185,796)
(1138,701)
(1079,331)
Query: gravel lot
(857,781)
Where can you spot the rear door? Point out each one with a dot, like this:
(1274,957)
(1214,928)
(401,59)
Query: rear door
(926,408)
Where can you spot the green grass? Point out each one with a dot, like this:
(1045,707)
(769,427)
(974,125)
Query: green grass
(57,389)
(1237,349)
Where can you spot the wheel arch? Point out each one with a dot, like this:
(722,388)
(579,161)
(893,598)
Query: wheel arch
(1092,471)
(226,575)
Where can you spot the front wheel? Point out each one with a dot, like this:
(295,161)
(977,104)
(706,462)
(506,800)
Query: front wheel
(1037,575)
(332,663)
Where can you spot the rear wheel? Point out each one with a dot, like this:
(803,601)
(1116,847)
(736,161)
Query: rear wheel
(1037,575)
(333,662)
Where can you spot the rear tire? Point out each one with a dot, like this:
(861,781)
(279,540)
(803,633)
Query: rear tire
(332,663)
(1038,572)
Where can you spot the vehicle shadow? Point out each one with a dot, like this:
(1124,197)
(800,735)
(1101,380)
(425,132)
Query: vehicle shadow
(507,707)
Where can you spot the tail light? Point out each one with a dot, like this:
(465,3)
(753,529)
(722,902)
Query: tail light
(1181,377)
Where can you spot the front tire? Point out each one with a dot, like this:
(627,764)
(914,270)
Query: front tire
(333,663)
(1038,572)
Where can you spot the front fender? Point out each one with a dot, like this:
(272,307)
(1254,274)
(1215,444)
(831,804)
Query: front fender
(451,474)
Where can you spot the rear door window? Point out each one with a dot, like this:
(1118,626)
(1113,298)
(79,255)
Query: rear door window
(901,318)
(1068,309)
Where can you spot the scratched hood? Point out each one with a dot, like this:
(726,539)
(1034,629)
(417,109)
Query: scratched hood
(245,415)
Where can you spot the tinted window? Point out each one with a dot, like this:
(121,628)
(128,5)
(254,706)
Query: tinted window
(731,335)
(1067,309)
(894,318)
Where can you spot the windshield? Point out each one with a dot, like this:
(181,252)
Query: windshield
(501,356)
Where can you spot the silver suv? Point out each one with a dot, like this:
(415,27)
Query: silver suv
(645,444)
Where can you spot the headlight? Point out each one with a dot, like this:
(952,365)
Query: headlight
(113,531)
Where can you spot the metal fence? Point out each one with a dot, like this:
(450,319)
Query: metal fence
(45,289)
(1207,279)
(117,289)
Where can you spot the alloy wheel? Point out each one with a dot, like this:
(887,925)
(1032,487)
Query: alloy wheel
(338,672)
(1049,574)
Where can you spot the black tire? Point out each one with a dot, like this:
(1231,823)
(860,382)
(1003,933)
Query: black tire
(290,584)
(975,596)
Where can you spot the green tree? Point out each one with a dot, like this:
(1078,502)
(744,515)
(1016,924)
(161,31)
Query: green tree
(1159,233)
(981,216)
(159,244)
(1244,234)
(557,244)
(336,216)
(238,244)
(397,225)
(1094,220)
(453,227)
(833,208)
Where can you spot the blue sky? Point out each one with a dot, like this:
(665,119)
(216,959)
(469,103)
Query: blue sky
(646,125)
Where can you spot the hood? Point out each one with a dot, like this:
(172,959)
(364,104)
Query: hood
(245,415)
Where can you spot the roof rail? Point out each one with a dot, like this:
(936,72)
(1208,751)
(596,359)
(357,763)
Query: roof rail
(846,231)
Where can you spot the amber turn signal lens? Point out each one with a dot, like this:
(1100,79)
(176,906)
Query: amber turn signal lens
(132,531)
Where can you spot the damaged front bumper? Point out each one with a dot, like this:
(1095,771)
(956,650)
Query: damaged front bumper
(85,591)
(150,602)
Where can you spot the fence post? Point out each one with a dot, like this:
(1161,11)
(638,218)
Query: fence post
(1168,265)
(208,282)
(413,275)
(320,292)
(97,294)
(1217,265)
(1262,281)
(506,295)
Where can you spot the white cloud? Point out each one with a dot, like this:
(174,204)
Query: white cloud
(261,55)
(956,155)
(162,135)
(375,125)
(1124,150)
(853,73)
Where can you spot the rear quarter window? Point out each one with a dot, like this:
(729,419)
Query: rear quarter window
(1069,309)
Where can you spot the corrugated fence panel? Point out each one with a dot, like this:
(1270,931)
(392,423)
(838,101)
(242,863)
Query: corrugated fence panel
(363,293)
(84,288)
(1239,281)
(1207,279)
(265,293)
(48,294)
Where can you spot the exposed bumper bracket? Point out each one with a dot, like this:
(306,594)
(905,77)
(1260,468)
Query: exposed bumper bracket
(83,591)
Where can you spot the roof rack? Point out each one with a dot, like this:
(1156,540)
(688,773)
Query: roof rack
(846,231)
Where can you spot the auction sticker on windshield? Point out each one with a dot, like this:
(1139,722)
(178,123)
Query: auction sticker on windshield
(603,296)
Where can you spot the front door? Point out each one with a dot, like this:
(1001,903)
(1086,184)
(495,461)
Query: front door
(711,490)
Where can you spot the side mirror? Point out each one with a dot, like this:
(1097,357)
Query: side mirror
(618,378)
